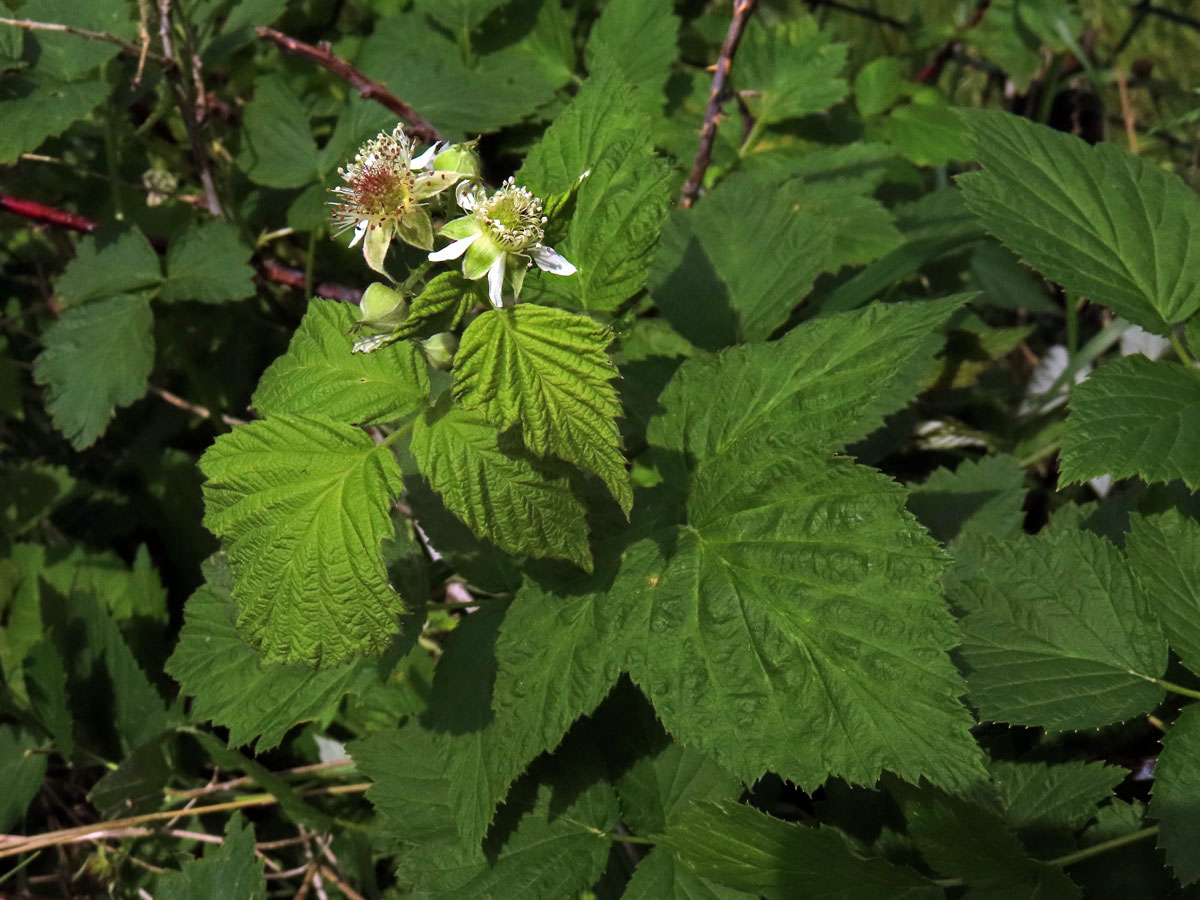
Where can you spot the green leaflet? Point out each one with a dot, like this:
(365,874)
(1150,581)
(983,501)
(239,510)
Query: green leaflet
(981,497)
(96,358)
(1164,551)
(22,772)
(961,840)
(637,37)
(499,494)
(825,384)
(232,688)
(657,790)
(1057,634)
(548,371)
(301,503)
(742,848)
(68,56)
(1134,416)
(814,565)
(107,264)
(1037,797)
(209,263)
(278,149)
(441,305)
(1176,786)
(229,869)
(789,70)
(659,876)
(320,376)
(1112,227)
(36,109)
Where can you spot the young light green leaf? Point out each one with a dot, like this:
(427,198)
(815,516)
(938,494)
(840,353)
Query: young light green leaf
(877,85)
(614,230)
(229,869)
(547,370)
(1164,551)
(789,70)
(231,686)
(96,358)
(825,384)
(278,149)
(36,109)
(815,565)
(209,263)
(1102,223)
(301,503)
(638,38)
(979,497)
(1058,635)
(721,278)
(1176,786)
(501,496)
(1134,416)
(747,850)
(109,264)
(320,376)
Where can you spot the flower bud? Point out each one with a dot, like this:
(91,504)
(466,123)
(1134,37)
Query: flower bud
(382,307)
(439,350)
(460,159)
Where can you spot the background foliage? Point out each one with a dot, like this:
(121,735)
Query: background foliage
(833,536)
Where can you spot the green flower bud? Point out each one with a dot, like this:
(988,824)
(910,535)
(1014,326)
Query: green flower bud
(461,159)
(439,350)
(382,307)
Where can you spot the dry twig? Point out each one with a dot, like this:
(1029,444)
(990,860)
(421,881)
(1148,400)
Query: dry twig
(86,33)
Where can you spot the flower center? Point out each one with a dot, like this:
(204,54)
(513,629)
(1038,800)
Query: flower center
(513,217)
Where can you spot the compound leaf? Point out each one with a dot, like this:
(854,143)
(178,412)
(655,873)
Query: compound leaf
(320,376)
(301,503)
(547,370)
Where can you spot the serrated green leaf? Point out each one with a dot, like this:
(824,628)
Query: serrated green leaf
(1102,223)
(744,849)
(301,504)
(547,370)
(459,15)
(1037,797)
(109,264)
(614,230)
(1164,551)
(1005,282)
(789,70)
(36,109)
(961,840)
(425,66)
(28,493)
(319,375)
(231,686)
(46,687)
(659,876)
(96,358)
(981,497)
(597,120)
(22,771)
(133,787)
(1134,416)
(638,38)
(815,566)
(721,278)
(656,791)
(209,263)
(442,305)
(928,132)
(1058,635)
(229,869)
(278,149)
(499,495)
(1176,786)
(827,383)
(68,56)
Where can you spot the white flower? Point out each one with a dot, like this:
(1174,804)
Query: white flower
(500,237)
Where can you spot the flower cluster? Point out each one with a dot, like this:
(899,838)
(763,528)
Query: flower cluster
(500,237)
(384,193)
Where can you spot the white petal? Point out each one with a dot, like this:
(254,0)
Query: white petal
(549,261)
(455,250)
(467,195)
(496,282)
(426,158)
(359,230)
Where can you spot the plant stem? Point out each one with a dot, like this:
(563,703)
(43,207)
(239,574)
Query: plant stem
(628,838)
(1171,686)
(1072,310)
(308,263)
(398,433)
(1181,351)
(1096,849)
